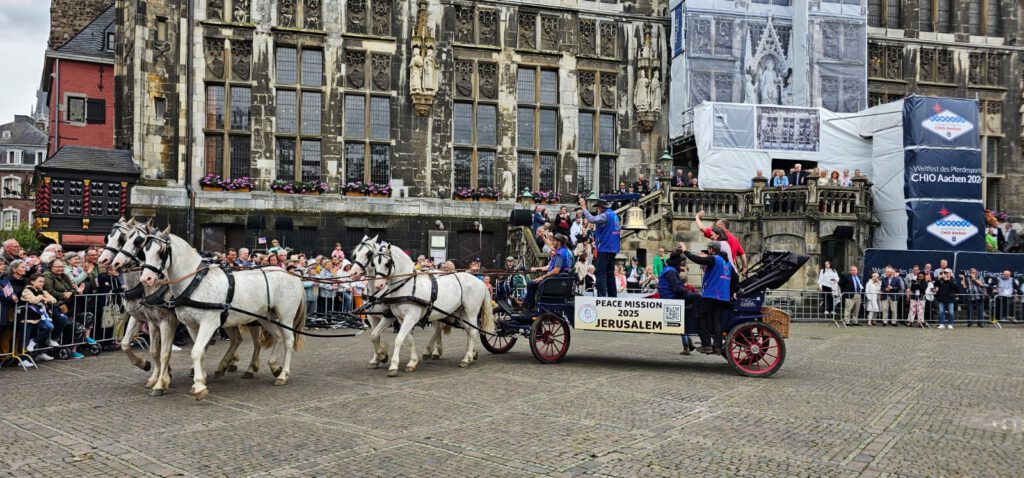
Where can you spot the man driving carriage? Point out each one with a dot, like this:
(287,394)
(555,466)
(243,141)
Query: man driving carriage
(561,262)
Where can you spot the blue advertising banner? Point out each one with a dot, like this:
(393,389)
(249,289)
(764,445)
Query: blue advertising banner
(948,225)
(940,122)
(942,173)
(990,264)
(875,260)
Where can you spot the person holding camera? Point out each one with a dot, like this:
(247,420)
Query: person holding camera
(974,288)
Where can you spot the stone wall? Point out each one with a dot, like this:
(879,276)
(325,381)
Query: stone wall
(68,17)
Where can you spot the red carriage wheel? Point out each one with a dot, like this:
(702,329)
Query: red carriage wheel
(755,349)
(499,344)
(549,339)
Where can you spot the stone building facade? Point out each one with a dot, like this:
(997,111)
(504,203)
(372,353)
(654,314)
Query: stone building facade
(433,96)
(22,147)
(959,49)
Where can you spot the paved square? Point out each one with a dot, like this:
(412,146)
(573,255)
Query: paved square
(856,402)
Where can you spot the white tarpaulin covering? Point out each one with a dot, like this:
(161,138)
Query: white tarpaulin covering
(734,141)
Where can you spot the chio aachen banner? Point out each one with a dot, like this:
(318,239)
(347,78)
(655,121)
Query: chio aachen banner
(942,174)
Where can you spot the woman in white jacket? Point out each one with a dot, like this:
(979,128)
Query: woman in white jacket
(871,292)
(828,285)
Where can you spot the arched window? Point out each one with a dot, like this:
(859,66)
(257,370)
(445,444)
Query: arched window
(11,187)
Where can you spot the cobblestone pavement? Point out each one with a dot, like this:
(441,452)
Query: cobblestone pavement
(856,402)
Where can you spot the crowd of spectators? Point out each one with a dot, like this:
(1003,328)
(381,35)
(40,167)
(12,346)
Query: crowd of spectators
(797,176)
(921,295)
(53,299)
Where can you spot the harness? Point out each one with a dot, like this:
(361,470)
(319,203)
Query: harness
(185,298)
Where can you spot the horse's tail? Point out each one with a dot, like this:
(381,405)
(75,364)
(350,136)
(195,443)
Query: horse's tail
(266,338)
(298,324)
(487,311)
(446,328)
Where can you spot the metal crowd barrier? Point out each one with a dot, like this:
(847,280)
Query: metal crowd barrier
(332,312)
(814,306)
(84,319)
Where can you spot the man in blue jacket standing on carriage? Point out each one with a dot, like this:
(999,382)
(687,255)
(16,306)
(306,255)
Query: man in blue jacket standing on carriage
(561,262)
(607,236)
(718,287)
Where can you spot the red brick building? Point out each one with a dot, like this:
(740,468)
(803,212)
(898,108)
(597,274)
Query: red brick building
(78,75)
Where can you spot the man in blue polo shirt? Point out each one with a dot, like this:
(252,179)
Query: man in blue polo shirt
(718,287)
(606,235)
(561,261)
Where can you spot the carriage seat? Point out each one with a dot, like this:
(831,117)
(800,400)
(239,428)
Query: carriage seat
(557,288)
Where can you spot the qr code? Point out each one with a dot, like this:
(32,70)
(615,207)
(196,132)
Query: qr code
(673,315)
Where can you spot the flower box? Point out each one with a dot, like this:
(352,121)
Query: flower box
(380,195)
(239,190)
(483,199)
(310,193)
(213,188)
(355,193)
(460,198)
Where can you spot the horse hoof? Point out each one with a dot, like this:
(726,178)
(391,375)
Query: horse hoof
(372,365)
(463,364)
(476,355)
(233,368)
(151,383)
(146,367)
(384,358)
(435,357)
(248,374)
(280,381)
(426,356)
(156,392)
(411,368)
(202,394)
(392,373)
(276,371)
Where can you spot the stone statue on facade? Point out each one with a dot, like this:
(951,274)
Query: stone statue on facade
(430,76)
(508,185)
(769,83)
(416,71)
(655,96)
(642,95)
(749,92)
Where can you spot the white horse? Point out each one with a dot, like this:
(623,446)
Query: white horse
(379,315)
(459,294)
(270,294)
(162,321)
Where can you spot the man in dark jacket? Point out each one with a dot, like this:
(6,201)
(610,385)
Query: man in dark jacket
(892,288)
(718,287)
(853,289)
(671,285)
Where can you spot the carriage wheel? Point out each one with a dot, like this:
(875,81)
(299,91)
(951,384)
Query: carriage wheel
(755,349)
(499,343)
(549,339)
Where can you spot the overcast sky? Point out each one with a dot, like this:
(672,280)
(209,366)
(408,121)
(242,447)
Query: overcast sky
(24,28)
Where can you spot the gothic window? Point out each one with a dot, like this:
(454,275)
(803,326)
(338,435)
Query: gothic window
(213,50)
(476,25)
(853,42)
(974,24)
(853,96)
(699,39)
(993,18)
(228,126)
(992,116)
(991,155)
(926,14)
(944,17)
(299,95)
(885,13)
(936,65)
(549,33)
(229,11)
(723,87)
(380,71)
(241,59)
(300,14)
(381,17)
(830,32)
(609,39)
(588,38)
(700,87)
(596,142)
(985,68)
(830,93)
(875,98)
(356,18)
(893,66)
(537,123)
(528,30)
(367,129)
(723,37)
(475,127)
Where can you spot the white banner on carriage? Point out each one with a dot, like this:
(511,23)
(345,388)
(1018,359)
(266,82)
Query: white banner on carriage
(649,316)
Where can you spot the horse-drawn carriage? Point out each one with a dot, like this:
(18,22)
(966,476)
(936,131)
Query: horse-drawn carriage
(753,346)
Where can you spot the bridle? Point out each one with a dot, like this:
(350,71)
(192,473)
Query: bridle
(369,255)
(122,241)
(379,272)
(165,255)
